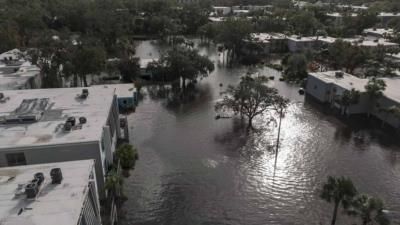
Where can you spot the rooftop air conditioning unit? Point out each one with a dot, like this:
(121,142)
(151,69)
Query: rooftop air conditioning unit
(339,74)
(67,126)
(85,93)
(31,190)
(82,120)
(71,120)
(56,176)
(1,95)
(39,177)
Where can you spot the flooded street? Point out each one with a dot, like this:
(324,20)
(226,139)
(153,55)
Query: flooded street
(194,169)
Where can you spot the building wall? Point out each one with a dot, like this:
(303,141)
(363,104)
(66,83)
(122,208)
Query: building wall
(62,153)
(385,102)
(318,89)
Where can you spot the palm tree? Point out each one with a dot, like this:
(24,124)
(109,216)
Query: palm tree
(340,191)
(374,88)
(347,99)
(114,183)
(369,210)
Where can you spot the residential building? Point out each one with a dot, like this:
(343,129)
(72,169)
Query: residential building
(385,17)
(55,125)
(337,17)
(270,42)
(327,86)
(24,76)
(222,10)
(62,193)
(18,73)
(298,43)
(379,32)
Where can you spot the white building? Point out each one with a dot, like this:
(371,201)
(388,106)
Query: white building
(270,42)
(54,125)
(70,201)
(327,86)
(24,76)
(338,17)
(222,10)
(298,43)
(385,17)
(379,32)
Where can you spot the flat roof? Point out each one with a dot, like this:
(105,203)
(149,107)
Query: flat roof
(59,204)
(17,80)
(370,43)
(14,53)
(337,14)
(122,90)
(388,14)
(55,106)
(349,82)
(379,31)
(297,38)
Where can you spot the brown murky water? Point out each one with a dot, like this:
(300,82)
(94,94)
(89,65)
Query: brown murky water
(197,170)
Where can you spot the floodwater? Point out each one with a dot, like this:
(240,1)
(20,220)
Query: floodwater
(194,169)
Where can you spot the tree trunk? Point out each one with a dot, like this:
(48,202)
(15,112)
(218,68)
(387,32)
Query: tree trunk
(335,210)
(250,123)
(85,83)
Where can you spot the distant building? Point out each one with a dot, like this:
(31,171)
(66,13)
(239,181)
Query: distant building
(187,1)
(326,87)
(30,195)
(298,43)
(18,73)
(379,32)
(55,125)
(222,10)
(270,42)
(385,17)
(216,19)
(338,17)
(354,8)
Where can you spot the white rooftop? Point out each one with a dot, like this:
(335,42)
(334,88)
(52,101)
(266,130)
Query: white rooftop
(216,19)
(56,204)
(14,54)
(55,105)
(145,62)
(388,14)
(336,14)
(379,31)
(123,90)
(17,80)
(300,39)
(349,82)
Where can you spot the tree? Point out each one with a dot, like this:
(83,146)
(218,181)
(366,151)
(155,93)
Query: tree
(129,69)
(114,183)
(369,210)
(231,34)
(296,67)
(374,88)
(127,155)
(88,60)
(185,64)
(252,97)
(340,191)
(344,55)
(348,98)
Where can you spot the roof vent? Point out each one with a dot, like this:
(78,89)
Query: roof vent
(32,189)
(56,176)
(67,126)
(85,93)
(71,120)
(82,120)
(339,74)
(39,177)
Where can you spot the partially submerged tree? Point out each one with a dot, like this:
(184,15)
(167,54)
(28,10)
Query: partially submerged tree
(129,69)
(185,64)
(369,210)
(340,191)
(251,98)
(374,88)
(127,156)
(348,98)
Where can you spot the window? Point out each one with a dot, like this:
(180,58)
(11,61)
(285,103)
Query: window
(16,159)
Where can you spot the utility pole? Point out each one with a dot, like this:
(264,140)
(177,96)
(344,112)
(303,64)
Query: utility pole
(279,133)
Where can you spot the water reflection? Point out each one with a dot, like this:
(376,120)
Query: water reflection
(194,169)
